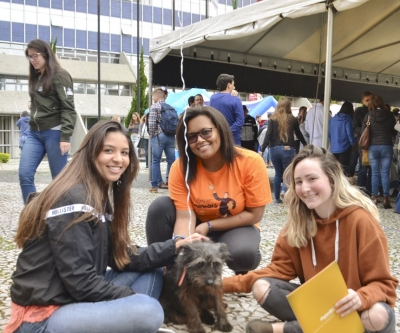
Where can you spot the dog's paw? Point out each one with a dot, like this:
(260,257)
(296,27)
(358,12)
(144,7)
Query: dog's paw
(207,317)
(223,326)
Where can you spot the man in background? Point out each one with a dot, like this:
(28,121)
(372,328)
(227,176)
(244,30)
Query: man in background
(230,106)
(364,172)
(24,129)
(160,142)
(198,100)
(315,122)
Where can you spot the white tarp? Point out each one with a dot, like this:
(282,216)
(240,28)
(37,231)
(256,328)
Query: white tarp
(242,22)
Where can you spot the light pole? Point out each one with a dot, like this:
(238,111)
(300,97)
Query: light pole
(98,63)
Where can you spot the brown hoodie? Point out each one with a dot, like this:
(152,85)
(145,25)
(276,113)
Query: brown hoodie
(362,257)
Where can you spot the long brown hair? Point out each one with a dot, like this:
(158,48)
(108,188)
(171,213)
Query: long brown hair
(301,224)
(281,116)
(133,121)
(227,147)
(375,103)
(82,169)
(51,66)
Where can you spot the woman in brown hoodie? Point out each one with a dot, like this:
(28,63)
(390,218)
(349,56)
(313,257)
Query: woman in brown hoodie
(322,207)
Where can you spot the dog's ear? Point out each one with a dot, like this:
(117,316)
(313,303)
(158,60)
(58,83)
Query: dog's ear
(182,249)
(223,251)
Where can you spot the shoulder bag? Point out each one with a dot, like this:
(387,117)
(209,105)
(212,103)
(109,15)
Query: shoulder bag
(364,139)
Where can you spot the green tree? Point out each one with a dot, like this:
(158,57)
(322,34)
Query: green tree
(53,45)
(144,96)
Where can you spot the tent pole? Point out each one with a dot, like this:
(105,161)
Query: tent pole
(150,102)
(328,74)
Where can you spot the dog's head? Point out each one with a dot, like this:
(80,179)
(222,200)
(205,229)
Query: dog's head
(203,262)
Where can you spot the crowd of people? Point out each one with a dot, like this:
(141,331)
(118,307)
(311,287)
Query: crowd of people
(79,269)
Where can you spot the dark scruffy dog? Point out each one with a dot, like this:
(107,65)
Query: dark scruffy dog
(193,286)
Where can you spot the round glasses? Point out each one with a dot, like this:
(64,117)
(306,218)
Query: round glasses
(205,133)
(33,56)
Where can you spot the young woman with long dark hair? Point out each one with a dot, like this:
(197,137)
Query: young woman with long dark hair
(76,228)
(53,115)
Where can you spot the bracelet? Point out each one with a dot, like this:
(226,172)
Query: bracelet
(176,237)
(209,226)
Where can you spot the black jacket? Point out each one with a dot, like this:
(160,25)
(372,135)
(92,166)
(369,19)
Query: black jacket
(358,118)
(382,130)
(56,108)
(67,265)
(272,137)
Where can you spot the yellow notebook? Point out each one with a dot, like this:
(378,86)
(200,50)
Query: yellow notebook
(313,304)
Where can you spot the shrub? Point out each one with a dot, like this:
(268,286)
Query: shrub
(4,157)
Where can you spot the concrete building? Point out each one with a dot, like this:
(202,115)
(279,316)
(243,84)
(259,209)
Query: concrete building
(74,24)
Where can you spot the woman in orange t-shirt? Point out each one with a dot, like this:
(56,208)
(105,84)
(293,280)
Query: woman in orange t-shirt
(216,189)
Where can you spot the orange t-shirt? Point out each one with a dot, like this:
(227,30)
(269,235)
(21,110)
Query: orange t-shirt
(225,192)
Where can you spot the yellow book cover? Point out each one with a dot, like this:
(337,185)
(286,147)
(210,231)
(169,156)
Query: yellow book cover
(313,303)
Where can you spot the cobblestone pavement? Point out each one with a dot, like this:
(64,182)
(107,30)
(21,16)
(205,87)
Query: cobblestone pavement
(241,307)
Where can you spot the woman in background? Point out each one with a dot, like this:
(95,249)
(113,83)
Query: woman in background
(341,135)
(282,126)
(134,131)
(53,115)
(380,151)
(302,125)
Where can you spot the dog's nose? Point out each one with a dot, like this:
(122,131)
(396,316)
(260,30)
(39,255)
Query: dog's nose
(210,282)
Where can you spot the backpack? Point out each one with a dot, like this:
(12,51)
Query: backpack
(169,119)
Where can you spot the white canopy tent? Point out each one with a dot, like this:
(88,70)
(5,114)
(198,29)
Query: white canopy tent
(358,40)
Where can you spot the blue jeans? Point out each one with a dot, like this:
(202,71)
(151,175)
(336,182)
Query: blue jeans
(135,140)
(139,313)
(159,144)
(267,156)
(380,158)
(280,158)
(38,144)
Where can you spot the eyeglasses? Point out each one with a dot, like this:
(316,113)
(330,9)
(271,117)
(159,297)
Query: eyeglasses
(205,133)
(33,56)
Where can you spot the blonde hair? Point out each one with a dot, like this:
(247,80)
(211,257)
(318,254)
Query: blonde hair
(301,224)
(281,116)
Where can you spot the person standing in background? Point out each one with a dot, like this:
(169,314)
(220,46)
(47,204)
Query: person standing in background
(380,151)
(302,125)
(341,136)
(282,126)
(191,101)
(160,142)
(314,122)
(198,100)
(230,106)
(249,131)
(23,124)
(133,129)
(364,172)
(144,136)
(53,115)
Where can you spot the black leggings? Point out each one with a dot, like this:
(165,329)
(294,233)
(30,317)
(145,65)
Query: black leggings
(243,243)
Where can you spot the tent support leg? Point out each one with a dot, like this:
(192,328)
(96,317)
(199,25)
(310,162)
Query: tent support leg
(328,75)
